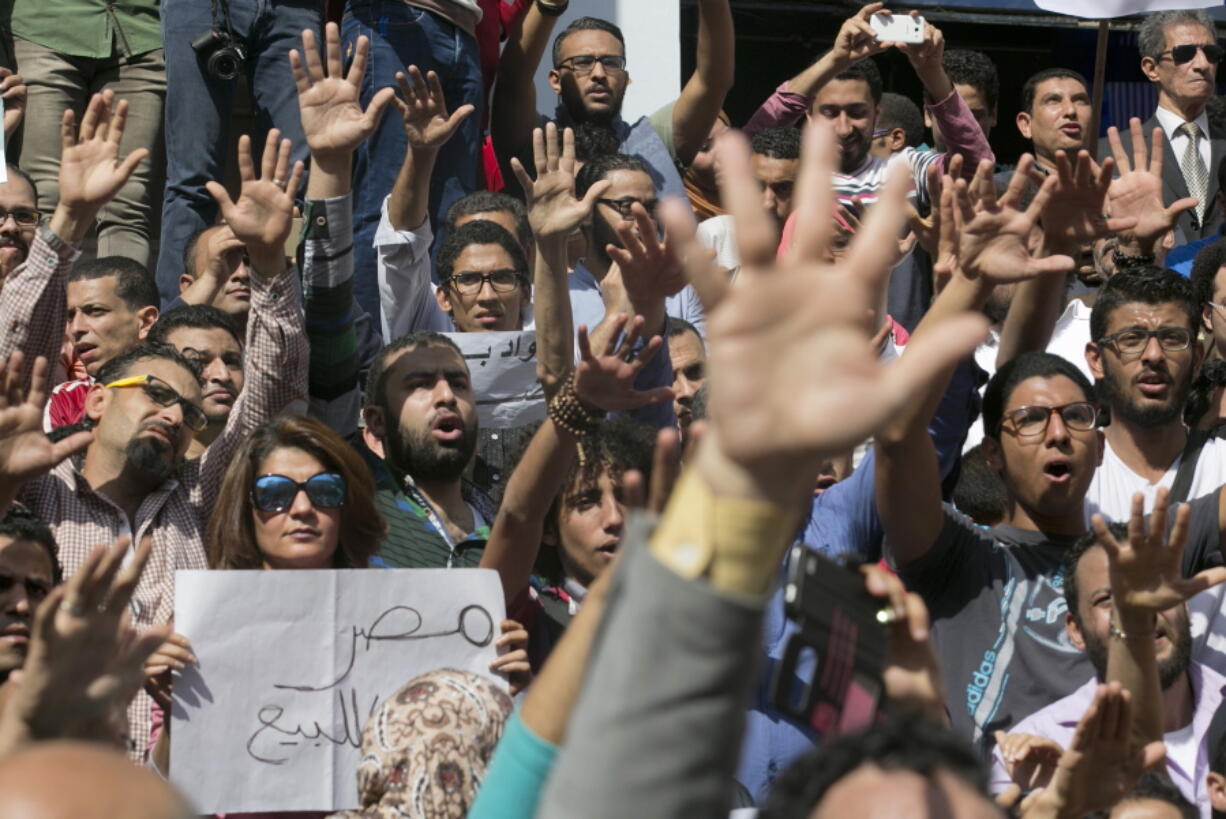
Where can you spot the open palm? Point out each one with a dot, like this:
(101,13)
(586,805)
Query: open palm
(264,212)
(424,109)
(553,210)
(91,172)
(606,381)
(1074,213)
(1137,193)
(25,451)
(328,101)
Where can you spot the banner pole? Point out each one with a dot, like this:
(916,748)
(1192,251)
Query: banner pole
(1100,75)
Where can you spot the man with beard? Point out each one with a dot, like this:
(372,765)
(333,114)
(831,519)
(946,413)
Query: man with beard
(1144,356)
(28,573)
(590,77)
(420,435)
(1131,620)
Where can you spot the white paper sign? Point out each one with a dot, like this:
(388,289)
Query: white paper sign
(1108,9)
(292,663)
(503,371)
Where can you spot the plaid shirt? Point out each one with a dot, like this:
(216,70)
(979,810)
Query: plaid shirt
(176,514)
(32,310)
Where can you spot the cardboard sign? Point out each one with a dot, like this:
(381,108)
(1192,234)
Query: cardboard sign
(503,370)
(292,663)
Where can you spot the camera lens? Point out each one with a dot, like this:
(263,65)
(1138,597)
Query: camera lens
(224,64)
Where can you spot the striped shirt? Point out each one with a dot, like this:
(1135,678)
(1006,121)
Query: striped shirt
(174,515)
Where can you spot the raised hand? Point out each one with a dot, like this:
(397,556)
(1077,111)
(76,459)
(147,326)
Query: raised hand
(912,675)
(91,172)
(856,39)
(606,382)
(650,269)
(173,655)
(802,316)
(1074,213)
(25,451)
(332,117)
(1137,193)
(85,663)
(1030,760)
(264,213)
(426,122)
(993,233)
(930,50)
(1147,571)
(1100,766)
(14,92)
(553,210)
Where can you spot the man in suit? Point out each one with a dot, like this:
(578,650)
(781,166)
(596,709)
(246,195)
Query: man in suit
(1180,54)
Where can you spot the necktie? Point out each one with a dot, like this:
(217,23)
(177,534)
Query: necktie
(1193,166)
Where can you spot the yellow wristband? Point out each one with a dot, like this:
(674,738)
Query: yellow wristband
(735,543)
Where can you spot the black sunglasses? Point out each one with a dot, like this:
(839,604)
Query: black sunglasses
(1186,53)
(276,493)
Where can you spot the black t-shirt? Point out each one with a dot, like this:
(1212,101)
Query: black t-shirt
(996,599)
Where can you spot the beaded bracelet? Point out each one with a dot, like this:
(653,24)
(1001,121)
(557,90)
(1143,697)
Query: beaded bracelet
(568,412)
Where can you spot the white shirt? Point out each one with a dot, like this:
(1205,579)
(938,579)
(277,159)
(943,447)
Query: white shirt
(1170,122)
(1114,483)
(1068,340)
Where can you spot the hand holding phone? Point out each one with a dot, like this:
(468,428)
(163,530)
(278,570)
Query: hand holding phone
(898,28)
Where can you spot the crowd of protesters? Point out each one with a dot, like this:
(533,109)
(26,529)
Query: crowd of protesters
(838,340)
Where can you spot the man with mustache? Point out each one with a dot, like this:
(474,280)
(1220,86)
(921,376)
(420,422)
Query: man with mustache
(19,203)
(1144,355)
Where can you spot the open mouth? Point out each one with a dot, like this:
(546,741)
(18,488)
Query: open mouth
(1153,385)
(609,549)
(449,428)
(1058,471)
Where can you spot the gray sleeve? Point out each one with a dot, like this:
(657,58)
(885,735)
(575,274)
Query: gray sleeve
(671,672)
(957,566)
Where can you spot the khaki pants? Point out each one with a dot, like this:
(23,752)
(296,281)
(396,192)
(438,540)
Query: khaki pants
(59,81)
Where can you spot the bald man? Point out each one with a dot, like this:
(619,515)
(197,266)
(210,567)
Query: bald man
(102,785)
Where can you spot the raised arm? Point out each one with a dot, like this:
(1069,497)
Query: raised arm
(702,97)
(402,242)
(991,249)
(696,592)
(275,357)
(1137,192)
(91,173)
(513,108)
(334,125)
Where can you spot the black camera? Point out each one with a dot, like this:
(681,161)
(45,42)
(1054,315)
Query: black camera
(223,55)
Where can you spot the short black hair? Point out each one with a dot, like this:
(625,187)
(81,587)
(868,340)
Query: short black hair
(593,139)
(134,284)
(1145,285)
(1210,379)
(1209,260)
(376,379)
(585,24)
(1155,785)
(20,174)
(897,111)
(479,232)
(867,71)
(492,202)
(1032,84)
(118,366)
(780,142)
(979,492)
(674,327)
(195,316)
(1072,559)
(903,742)
(19,523)
(974,68)
(602,166)
(1027,365)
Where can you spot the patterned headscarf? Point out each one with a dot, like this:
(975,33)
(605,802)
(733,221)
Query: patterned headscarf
(425,750)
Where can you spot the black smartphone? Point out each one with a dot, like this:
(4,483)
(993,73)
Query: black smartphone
(829,677)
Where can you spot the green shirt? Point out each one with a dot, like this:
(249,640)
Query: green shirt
(90,28)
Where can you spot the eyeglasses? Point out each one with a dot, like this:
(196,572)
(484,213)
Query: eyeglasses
(1134,340)
(1186,53)
(164,395)
(1217,306)
(880,132)
(583,64)
(24,217)
(1030,422)
(470,283)
(623,206)
(276,493)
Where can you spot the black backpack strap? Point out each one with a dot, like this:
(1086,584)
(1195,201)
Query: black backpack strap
(1187,465)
